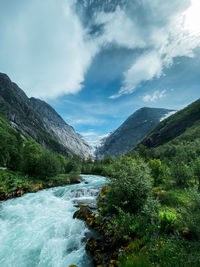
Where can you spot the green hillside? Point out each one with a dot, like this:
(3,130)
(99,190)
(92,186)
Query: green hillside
(174,126)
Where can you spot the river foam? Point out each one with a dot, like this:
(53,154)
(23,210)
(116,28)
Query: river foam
(38,229)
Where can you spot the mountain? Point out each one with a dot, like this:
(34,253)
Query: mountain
(39,120)
(181,124)
(131,132)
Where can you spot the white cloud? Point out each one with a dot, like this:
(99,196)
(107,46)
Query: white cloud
(119,29)
(155,96)
(47,51)
(147,67)
(83,117)
(192,18)
(160,30)
(89,133)
(45,48)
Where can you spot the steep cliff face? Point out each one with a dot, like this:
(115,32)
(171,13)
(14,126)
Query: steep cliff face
(39,120)
(63,132)
(131,132)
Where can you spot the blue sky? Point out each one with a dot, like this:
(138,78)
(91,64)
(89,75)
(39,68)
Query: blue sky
(96,62)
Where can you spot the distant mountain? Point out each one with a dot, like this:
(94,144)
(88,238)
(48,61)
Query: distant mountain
(131,132)
(39,120)
(182,122)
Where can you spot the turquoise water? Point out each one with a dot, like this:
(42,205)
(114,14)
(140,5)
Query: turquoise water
(38,229)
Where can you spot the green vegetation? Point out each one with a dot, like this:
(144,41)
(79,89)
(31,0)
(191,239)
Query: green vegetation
(151,208)
(29,166)
(149,214)
(174,126)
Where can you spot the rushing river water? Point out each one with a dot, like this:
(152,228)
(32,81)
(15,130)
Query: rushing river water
(38,229)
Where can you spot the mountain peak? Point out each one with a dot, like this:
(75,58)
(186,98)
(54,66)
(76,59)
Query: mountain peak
(131,132)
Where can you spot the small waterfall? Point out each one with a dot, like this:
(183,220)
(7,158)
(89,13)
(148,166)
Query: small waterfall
(38,229)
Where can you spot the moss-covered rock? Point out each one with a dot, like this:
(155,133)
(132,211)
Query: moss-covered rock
(83,213)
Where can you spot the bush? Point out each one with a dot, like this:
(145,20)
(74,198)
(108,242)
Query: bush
(123,226)
(155,166)
(130,190)
(181,173)
(191,216)
(150,210)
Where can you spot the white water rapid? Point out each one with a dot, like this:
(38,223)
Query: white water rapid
(38,229)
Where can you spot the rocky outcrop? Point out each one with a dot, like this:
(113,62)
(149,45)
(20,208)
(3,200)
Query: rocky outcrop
(60,130)
(39,120)
(131,132)
(101,245)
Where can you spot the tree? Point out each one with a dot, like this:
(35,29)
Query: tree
(31,154)
(74,165)
(48,165)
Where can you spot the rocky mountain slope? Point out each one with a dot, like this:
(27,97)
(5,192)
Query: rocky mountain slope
(39,120)
(174,126)
(131,132)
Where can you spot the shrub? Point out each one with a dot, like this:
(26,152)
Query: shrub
(181,173)
(191,216)
(132,186)
(155,166)
(123,226)
(150,210)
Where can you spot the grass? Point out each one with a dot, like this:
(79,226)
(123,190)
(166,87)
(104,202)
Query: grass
(15,184)
(176,197)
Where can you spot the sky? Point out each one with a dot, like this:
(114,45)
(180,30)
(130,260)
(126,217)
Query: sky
(98,61)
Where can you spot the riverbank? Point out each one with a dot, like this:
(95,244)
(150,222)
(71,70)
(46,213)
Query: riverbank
(103,248)
(15,184)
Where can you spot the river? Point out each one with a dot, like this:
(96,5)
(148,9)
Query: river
(38,229)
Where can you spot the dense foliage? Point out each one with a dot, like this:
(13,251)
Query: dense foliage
(31,162)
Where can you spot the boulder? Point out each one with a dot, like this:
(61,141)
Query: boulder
(89,205)
(83,213)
